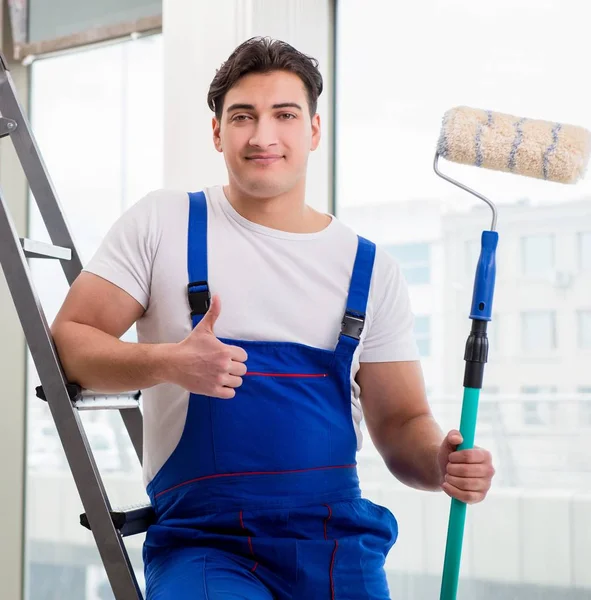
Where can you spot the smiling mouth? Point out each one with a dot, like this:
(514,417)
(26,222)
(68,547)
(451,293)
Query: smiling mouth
(263,160)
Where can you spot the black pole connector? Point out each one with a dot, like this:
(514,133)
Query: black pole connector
(476,355)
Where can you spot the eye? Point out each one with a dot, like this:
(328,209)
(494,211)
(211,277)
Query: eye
(240,118)
(287,116)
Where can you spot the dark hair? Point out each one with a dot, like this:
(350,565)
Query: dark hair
(263,55)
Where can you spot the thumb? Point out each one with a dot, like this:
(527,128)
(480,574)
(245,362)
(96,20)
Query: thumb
(211,316)
(453,439)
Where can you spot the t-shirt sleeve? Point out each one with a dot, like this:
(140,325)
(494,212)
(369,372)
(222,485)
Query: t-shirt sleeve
(391,330)
(126,253)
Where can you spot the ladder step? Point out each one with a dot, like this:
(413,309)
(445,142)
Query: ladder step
(89,400)
(93,401)
(129,521)
(35,249)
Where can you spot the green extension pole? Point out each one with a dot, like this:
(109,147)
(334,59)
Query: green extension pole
(457,513)
(476,355)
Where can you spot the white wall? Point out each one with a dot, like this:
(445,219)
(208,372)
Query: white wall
(198,37)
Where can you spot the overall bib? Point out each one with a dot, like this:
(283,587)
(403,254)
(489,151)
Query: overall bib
(260,500)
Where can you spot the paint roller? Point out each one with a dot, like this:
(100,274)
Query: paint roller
(545,150)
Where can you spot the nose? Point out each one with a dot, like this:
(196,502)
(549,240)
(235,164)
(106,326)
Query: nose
(264,134)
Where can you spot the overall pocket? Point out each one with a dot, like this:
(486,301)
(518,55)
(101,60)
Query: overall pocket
(364,533)
(278,421)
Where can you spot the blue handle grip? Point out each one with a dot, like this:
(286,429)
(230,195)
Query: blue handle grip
(484,284)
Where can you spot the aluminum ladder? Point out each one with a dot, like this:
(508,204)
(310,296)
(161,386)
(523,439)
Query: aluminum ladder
(65,399)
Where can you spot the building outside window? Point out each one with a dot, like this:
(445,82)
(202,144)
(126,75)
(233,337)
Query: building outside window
(414,260)
(538,333)
(537,255)
(423,334)
(584,329)
(584,243)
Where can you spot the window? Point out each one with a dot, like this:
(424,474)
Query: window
(539,389)
(387,127)
(490,390)
(423,334)
(492,331)
(102,144)
(537,255)
(414,260)
(73,18)
(538,333)
(585,251)
(585,405)
(584,329)
(488,408)
(542,410)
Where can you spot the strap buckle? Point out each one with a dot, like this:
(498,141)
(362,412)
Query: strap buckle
(200,298)
(352,325)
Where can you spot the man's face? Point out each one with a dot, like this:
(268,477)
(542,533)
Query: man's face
(266,133)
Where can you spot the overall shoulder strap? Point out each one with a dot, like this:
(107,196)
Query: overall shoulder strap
(198,287)
(354,317)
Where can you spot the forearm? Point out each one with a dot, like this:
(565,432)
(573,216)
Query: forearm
(100,362)
(410,451)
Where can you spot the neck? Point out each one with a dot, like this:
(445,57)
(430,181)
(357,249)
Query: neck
(285,212)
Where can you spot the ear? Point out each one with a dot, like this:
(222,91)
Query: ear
(217,140)
(315,132)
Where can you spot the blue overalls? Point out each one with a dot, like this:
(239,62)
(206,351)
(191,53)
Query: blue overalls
(260,500)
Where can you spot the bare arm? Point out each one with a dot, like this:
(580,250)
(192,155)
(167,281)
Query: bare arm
(400,422)
(96,313)
(86,333)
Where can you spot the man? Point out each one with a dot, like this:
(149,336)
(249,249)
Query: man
(252,400)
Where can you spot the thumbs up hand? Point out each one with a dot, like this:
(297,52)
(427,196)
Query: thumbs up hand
(204,365)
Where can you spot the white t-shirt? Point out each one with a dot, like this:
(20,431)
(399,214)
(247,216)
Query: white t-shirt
(273,285)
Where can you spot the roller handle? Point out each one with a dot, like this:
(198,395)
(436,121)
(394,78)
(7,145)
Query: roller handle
(484,283)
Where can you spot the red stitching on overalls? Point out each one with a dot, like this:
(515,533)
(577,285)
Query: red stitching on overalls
(336,545)
(302,375)
(334,552)
(256,564)
(327,520)
(219,475)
